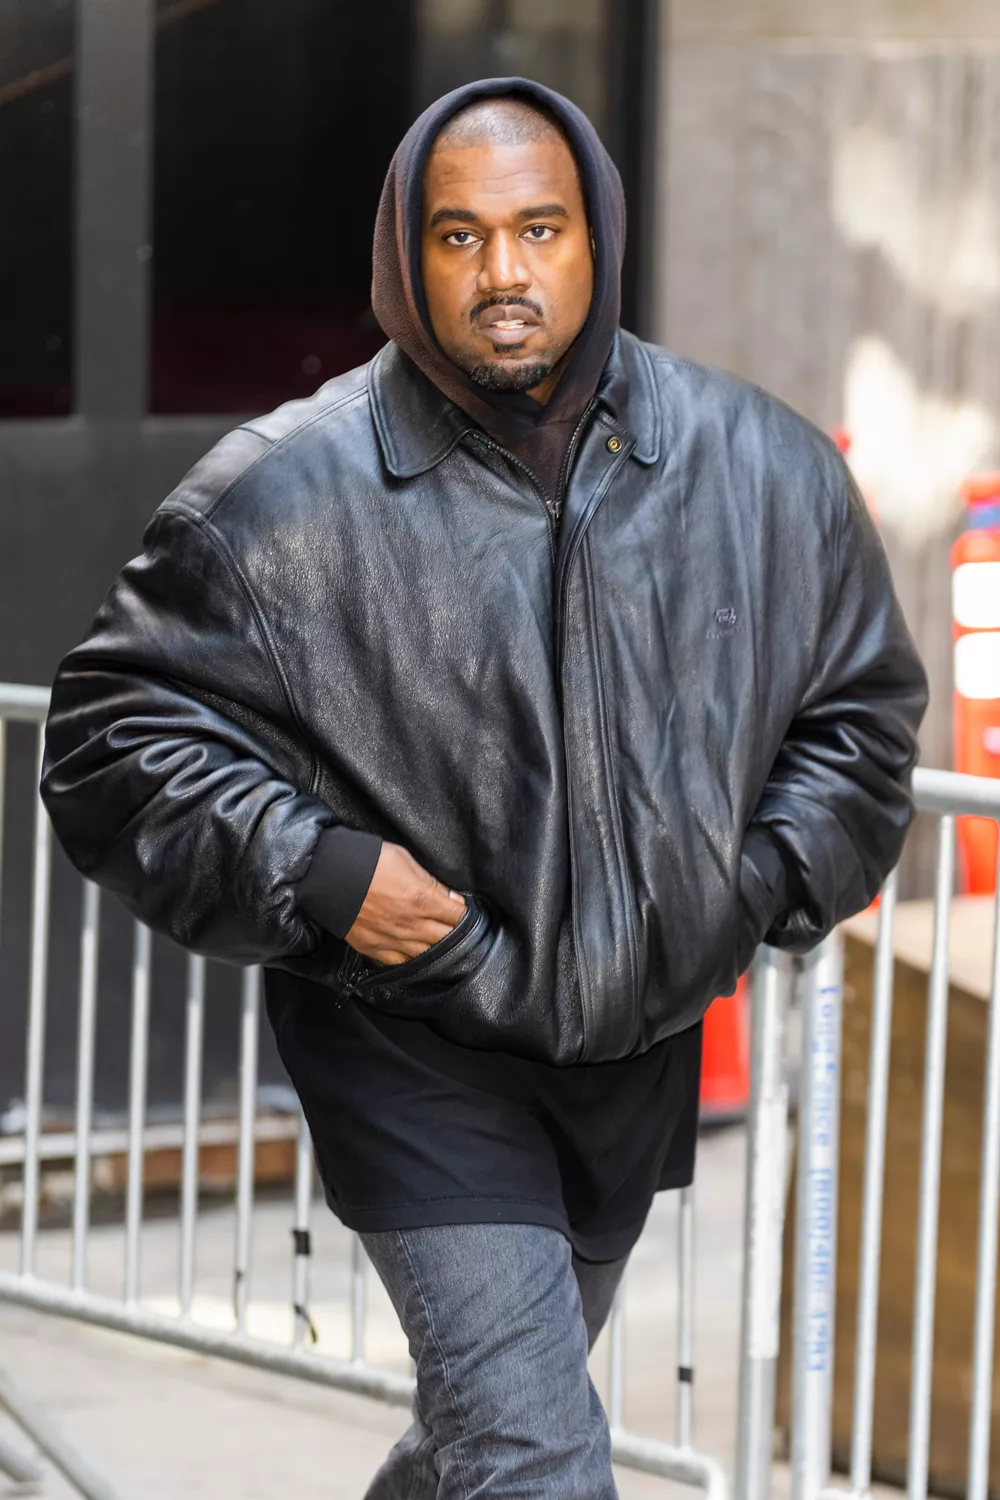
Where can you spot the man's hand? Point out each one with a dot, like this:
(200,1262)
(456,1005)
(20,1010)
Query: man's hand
(406,910)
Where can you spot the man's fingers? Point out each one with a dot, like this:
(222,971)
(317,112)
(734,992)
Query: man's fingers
(412,944)
(400,953)
(406,910)
(439,904)
(424,936)
(389,959)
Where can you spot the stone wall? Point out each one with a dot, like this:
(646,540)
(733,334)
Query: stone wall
(830,228)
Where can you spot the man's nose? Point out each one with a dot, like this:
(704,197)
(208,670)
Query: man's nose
(503,266)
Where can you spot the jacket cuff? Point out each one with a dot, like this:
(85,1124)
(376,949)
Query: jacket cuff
(333,889)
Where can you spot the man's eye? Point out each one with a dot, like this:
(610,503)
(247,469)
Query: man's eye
(459,237)
(540,232)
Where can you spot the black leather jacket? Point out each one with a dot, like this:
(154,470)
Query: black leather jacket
(357,610)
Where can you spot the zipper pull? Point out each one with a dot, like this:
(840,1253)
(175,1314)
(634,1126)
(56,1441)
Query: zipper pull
(554,508)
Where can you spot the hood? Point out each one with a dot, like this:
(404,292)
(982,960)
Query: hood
(398,298)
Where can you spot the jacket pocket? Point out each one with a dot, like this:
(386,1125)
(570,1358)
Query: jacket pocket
(446,960)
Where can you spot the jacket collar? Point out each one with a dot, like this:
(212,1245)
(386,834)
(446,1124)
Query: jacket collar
(417,426)
(627,389)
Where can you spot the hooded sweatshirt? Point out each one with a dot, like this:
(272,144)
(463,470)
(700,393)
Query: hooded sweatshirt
(333,890)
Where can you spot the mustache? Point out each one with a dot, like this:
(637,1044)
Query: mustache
(497,301)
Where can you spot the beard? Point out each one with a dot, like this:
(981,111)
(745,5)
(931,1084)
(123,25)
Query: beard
(508,375)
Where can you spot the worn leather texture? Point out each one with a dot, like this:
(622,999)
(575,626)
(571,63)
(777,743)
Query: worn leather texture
(356,610)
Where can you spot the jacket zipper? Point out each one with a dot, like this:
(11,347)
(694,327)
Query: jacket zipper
(554,511)
(568,459)
(553,507)
(552,514)
(614,807)
(561,484)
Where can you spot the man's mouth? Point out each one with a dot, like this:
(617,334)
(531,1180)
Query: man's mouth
(506,322)
(508,315)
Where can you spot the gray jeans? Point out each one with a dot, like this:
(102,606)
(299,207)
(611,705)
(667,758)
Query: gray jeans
(499,1319)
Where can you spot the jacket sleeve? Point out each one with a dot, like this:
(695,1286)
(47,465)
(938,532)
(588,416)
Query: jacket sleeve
(837,801)
(173,772)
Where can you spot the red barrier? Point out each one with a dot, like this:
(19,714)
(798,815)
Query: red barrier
(975,560)
(725,1065)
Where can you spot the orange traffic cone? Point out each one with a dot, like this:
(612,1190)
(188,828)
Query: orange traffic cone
(725,1057)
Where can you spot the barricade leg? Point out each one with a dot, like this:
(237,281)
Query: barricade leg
(32,1420)
(763,1225)
(16,1467)
(816,1220)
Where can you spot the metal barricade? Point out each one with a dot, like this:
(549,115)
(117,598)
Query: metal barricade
(947,796)
(817,984)
(681,1460)
(49,1441)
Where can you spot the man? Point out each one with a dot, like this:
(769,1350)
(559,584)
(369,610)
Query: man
(499,700)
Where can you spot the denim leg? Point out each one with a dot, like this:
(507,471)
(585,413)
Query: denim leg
(496,1327)
(598,1281)
(409,1471)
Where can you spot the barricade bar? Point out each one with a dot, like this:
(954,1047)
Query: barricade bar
(986,1272)
(616,1361)
(39,1427)
(112,1140)
(14,1465)
(685,1318)
(930,1170)
(816,1220)
(193,1046)
(138,1064)
(872,1192)
(301,1242)
(249,1025)
(359,1299)
(89,939)
(953,793)
(763,1227)
(107,1312)
(24,704)
(35,1060)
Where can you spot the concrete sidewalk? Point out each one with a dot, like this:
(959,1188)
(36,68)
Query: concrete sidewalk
(162,1423)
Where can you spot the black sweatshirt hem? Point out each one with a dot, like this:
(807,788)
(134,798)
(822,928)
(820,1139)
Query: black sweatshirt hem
(433,1212)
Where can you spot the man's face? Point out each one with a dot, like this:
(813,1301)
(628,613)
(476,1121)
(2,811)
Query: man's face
(507,260)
